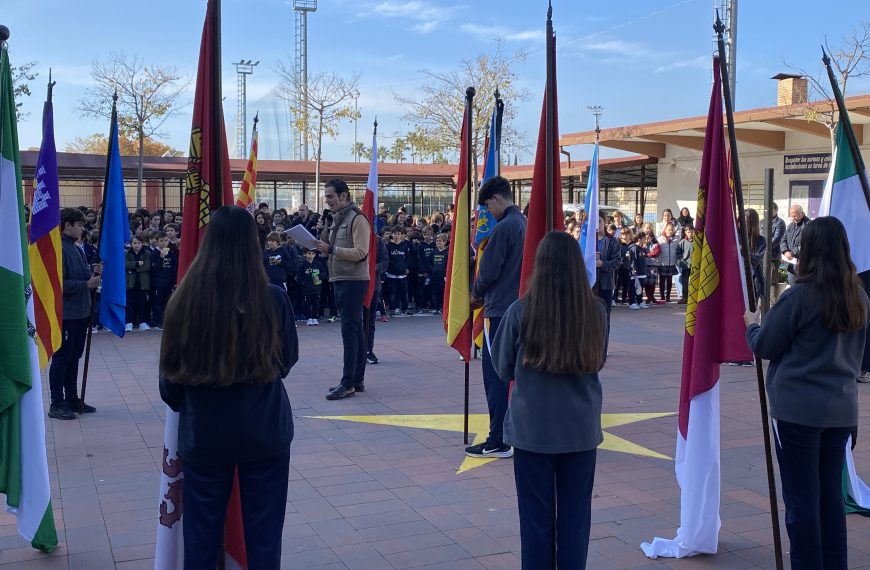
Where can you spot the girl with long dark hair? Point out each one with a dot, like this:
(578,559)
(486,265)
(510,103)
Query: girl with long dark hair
(554,415)
(228,339)
(814,338)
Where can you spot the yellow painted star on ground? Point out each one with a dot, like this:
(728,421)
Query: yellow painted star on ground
(478,424)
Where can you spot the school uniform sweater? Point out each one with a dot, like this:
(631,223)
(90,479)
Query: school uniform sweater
(280,265)
(311,276)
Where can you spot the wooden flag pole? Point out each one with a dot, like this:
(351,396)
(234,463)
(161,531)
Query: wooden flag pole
(469,97)
(750,289)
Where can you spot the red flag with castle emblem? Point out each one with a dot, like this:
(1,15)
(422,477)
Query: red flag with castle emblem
(714,334)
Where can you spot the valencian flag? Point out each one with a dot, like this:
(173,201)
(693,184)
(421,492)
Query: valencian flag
(485,222)
(845,199)
(44,248)
(588,246)
(370,202)
(208,186)
(714,334)
(457,302)
(538,214)
(114,233)
(248,192)
(23,463)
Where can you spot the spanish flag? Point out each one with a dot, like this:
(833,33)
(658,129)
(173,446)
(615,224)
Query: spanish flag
(457,306)
(248,192)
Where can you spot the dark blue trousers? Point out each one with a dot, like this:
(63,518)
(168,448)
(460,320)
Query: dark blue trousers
(349,300)
(554,495)
(811,469)
(63,374)
(496,389)
(263,493)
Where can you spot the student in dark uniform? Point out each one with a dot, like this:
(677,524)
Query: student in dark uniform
(234,410)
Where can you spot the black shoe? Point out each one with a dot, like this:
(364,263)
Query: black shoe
(61,411)
(340,393)
(361,387)
(87,409)
(371,358)
(484,450)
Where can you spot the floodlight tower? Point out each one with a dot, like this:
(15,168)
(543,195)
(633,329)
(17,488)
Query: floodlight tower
(597,111)
(727,10)
(300,64)
(243,70)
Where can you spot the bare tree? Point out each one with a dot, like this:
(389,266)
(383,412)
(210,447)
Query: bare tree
(850,61)
(437,114)
(147,97)
(327,101)
(22,75)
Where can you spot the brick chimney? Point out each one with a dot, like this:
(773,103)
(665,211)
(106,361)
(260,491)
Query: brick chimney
(790,89)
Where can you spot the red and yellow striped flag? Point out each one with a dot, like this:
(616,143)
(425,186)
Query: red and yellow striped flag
(457,297)
(248,192)
(44,248)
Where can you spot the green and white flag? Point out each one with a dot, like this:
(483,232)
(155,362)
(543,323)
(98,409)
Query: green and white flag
(844,199)
(23,462)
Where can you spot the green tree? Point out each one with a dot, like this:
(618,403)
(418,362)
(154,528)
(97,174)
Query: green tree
(397,149)
(147,97)
(437,114)
(327,99)
(357,151)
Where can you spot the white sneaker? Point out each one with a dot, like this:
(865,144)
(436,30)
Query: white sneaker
(613,302)
(310,322)
(144,327)
(128,327)
(315,322)
(643,306)
(634,307)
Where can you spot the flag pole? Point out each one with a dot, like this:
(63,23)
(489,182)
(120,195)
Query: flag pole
(217,129)
(367,310)
(102,218)
(550,107)
(743,237)
(850,134)
(469,97)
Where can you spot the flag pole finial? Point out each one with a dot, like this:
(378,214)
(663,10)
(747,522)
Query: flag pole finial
(51,85)
(718,27)
(470,92)
(4,34)
(256,118)
(376,124)
(825,59)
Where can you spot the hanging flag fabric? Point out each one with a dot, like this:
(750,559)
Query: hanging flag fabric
(590,226)
(44,249)
(23,460)
(114,233)
(537,225)
(457,305)
(370,204)
(844,199)
(714,334)
(248,192)
(485,223)
(200,198)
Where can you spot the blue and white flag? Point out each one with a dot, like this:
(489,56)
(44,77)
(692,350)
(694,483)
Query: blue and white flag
(588,241)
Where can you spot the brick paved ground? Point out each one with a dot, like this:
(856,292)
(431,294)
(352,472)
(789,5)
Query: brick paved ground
(370,496)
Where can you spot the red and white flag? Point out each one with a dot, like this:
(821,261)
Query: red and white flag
(714,334)
(370,204)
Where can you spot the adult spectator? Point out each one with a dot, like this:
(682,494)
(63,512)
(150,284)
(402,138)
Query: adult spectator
(307,218)
(814,338)
(685,220)
(554,417)
(346,241)
(78,283)
(790,246)
(234,414)
(382,218)
(496,288)
(667,218)
(777,232)
(263,207)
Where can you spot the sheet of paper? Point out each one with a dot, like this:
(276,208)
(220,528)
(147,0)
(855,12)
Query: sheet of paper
(791,261)
(302,236)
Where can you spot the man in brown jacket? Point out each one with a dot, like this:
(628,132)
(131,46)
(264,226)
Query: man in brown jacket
(346,241)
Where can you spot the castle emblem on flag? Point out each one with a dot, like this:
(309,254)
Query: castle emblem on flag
(194,184)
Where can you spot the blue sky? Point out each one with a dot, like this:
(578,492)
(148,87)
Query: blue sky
(642,60)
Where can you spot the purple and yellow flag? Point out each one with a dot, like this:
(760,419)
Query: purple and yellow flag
(44,248)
